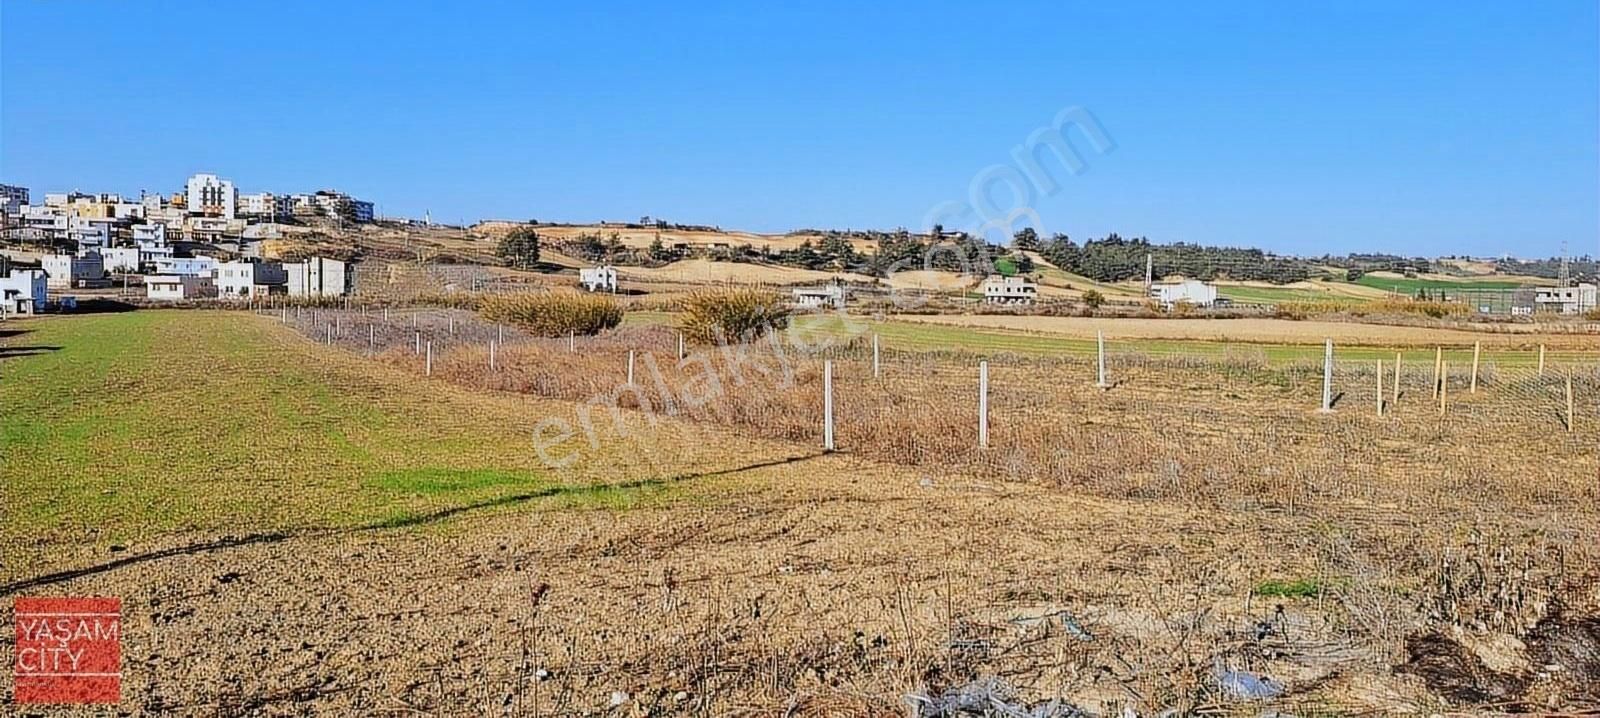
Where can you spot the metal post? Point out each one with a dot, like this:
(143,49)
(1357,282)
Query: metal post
(827,405)
(983,404)
(1327,377)
(430,359)
(1100,341)
(877,370)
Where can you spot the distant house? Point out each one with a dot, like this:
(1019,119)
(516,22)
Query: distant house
(1567,300)
(67,271)
(251,279)
(121,260)
(175,287)
(1192,291)
(187,266)
(599,279)
(1009,290)
(319,277)
(830,295)
(23,291)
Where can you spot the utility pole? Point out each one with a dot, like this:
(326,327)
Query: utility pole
(1149,272)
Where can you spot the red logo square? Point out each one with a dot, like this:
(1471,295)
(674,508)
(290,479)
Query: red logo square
(69,650)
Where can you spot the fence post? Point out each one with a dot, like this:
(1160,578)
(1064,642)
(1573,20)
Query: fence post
(1396,390)
(1541,360)
(386,314)
(430,359)
(1572,417)
(413,320)
(983,404)
(500,333)
(1444,384)
(416,347)
(572,341)
(452,318)
(1438,370)
(1327,377)
(877,368)
(329,327)
(1100,350)
(1380,387)
(1477,347)
(372,338)
(827,405)
(491,356)
(630,367)
(680,346)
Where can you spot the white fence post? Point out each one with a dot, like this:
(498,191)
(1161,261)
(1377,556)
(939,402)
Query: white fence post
(983,404)
(430,359)
(1541,360)
(1327,377)
(877,367)
(630,367)
(572,341)
(372,338)
(491,356)
(500,333)
(680,346)
(330,333)
(1477,348)
(1380,387)
(416,346)
(827,405)
(1100,342)
(452,324)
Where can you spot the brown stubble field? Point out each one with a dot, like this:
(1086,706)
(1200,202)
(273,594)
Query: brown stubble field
(1110,547)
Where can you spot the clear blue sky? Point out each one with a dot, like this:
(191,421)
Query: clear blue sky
(1455,127)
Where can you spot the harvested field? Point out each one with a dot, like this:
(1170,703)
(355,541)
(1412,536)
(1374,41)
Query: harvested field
(1111,548)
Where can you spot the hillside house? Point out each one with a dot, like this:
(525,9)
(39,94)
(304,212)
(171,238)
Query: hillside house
(829,296)
(251,279)
(66,271)
(599,279)
(186,266)
(1192,291)
(1009,290)
(23,292)
(178,287)
(319,277)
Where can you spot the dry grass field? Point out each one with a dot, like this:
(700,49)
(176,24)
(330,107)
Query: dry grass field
(360,531)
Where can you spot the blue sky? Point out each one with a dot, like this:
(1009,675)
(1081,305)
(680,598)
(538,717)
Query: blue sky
(1449,127)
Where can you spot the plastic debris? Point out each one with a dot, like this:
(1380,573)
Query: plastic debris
(988,697)
(1247,685)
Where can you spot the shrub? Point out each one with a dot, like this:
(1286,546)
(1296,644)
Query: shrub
(1094,298)
(553,314)
(732,314)
(1592,315)
(520,248)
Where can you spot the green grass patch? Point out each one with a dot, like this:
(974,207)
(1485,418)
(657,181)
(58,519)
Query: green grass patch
(1291,588)
(1409,285)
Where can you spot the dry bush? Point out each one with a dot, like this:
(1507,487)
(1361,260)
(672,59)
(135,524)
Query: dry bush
(1436,310)
(732,314)
(553,314)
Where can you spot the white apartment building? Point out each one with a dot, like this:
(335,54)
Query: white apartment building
(248,279)
(212,196)
(259,204)
(90,232)
(186,266)
(1193,291)
(320,277)
(121,260)
(154,233)
(1567,300)
(1009,290)
(174,287)
(12,199)
(23,291)
(67,271)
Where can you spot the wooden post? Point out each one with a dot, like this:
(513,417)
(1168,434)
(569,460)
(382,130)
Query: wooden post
(983,404)
(1100,344)
(680,346)
(1438,369)
(1444,385)
(1327,377)
(827,405)
(630,367)
(877,366)
(1541,360)
(1572,417)
(1477,348)
(1396,389)
(1380,387)
(572,341)
(430,359)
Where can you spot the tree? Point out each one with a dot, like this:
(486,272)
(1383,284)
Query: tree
(1025,240)
(1093,298)
(520,248)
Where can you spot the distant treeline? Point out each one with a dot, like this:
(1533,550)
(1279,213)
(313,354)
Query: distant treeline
(1114,259)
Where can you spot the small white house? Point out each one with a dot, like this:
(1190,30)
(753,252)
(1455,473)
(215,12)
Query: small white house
(1567,300)
(319,277)
(175,287)
(1009,290)
(22,291)
(829,296)
(247,279)
(599,279)
(121,260)
(67,271)
(188,266)
(1192,291)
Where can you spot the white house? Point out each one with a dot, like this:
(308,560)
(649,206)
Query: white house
(830,295)
(121,260)
(246,279)
(67,271)
(155,232)
(212,196)
(1192,291)
(319,277)
(22,291)
(187,266)
(1009,290)
(599,279)
(260,204)
(176,287)
(1567,300)
(90,232)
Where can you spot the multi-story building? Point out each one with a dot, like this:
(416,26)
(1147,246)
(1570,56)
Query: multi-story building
(152,232)
(12,199)
(320,277)
(1009,290)
(121,260)
(211,196)
(1567,300)
(250,279)
(68,271)
(338,205)
(186,266)
(260,204)
(91,232)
